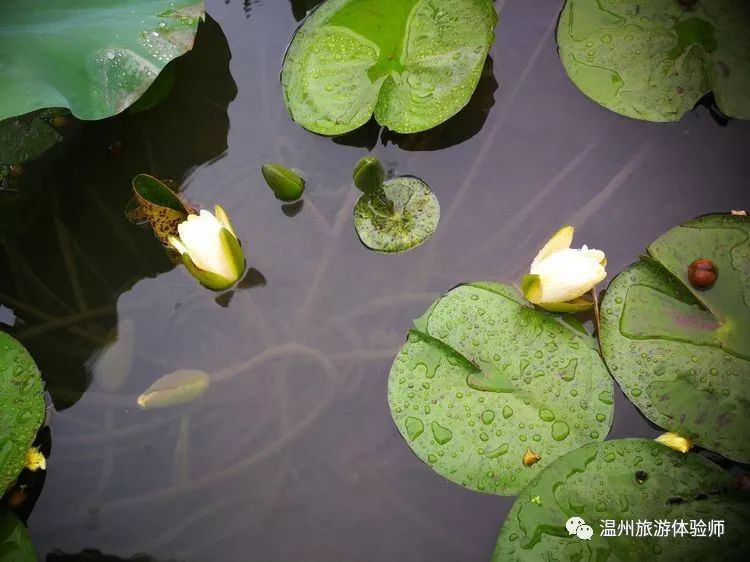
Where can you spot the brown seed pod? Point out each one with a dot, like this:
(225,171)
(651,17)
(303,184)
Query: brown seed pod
(702,273)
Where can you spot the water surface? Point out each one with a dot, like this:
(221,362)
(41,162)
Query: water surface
(292,454)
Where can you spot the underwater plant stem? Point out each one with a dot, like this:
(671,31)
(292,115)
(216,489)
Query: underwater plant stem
(596,312)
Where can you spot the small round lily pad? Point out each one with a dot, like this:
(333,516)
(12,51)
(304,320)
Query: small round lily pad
(659,503)
(487,390)
(655,59)
(22,407)
(398,217)
(680,353)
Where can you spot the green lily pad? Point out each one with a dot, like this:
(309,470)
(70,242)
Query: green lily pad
(94,58)
(27,137)
(22,407)
(682,355)
(627,480)
(398,217)
(655,59)
(484,377)
(15,545)
(413,63)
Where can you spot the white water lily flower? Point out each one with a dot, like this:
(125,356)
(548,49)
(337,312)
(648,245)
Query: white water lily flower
(560,275)
(210,249)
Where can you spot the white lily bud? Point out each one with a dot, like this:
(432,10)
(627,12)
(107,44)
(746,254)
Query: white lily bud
(560,275)
(210,250)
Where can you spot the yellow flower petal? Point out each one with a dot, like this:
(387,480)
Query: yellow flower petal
(34,460)
(674,441)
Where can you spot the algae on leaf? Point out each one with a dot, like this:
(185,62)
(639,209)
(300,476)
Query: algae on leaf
(485,380)
(413,63)
(95,58)
(655,59)
(680,354)
(628,481)
(22,407)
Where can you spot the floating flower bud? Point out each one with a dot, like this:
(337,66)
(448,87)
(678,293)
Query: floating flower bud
(285,184)
(674,441)
(34,460)
(210,249)
(368,174)
(530,457)
(560,275)
(702,274)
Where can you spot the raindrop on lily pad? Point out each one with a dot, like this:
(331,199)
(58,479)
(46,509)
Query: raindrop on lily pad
(655,59)
(398,217)
(411,63)
(649,483)
(476,347)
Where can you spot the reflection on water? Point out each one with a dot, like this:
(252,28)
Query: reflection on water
(73,256)
(92,555)
(291,454)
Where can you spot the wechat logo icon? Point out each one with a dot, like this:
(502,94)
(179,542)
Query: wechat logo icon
(577,526)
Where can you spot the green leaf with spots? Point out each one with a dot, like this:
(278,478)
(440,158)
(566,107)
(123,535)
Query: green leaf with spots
(413,63)
(484,377)
(21,407)
(627,480)
(655,59)
(398,217)
(161,206)
(682,355)
(95,57)
(15,545)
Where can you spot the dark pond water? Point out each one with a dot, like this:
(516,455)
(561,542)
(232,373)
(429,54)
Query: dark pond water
(292,454)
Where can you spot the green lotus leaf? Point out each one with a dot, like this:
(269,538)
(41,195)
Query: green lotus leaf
(484,377)
(22,407)
(15,545)
(413,63)
(95,57)
(655,59)
(398,217)
(682,355)
(627,480)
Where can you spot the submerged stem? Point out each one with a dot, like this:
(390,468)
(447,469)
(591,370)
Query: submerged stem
(596,312)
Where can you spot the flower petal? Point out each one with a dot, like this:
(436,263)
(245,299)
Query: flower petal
(561,240)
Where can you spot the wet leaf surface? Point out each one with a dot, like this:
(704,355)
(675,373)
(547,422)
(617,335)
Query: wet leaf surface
(413,63)
(398,217)
(485,377)
(626,480)
(15,545)
(682,355)
(655,60)
(96,63)
(21,407)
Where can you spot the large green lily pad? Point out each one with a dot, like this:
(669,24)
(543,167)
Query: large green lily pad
(654,59)
(15,545)
(21,407)
(94,57)
(401,215)
(682,355)
(627,480)
(413,63)
(484,377)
